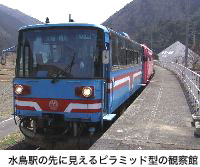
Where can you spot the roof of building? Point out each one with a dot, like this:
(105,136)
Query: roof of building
(176,53)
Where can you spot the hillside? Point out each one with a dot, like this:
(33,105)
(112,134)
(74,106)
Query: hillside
(11,21)
(163,21)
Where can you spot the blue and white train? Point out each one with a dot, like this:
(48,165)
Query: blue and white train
(71,76)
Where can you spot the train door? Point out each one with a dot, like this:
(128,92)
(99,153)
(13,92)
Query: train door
(111,80)
(106,58)
(149,67)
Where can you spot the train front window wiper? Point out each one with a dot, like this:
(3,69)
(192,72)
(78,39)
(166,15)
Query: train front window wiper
(58,74)
(69,67)
(66,72)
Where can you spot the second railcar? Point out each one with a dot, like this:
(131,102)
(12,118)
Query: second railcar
(148,65)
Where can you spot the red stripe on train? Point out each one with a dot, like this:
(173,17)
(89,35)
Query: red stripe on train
(25,108)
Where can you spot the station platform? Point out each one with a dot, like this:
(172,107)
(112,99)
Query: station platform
(159,118)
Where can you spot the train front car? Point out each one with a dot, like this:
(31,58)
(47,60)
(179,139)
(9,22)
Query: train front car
(59,83)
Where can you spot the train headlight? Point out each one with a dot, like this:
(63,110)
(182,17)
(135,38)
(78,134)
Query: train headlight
(18,89)
(87,91)
(84,91)
(22,89)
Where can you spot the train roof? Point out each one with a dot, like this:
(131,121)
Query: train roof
(71,24)
(124,35)
(148,50)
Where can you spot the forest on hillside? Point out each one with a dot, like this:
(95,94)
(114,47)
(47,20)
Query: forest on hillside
(10,21)
(158,23)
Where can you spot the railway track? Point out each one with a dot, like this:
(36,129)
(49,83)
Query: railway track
(38,148)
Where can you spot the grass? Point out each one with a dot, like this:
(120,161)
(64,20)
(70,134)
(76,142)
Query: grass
(5,114)
(11,140)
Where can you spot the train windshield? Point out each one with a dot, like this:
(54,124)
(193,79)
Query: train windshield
(60,53)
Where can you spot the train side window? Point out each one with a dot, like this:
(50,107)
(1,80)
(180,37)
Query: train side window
(123,56)
(117,50)
(122,52)
(128,55)
(115,60)
(20,62)
(127,52)
(26,60)
(137,57)
(140,58)
(132,57)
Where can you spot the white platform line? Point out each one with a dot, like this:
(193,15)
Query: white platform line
(6,120)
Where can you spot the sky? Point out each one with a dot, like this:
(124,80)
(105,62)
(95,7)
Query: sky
(85,11)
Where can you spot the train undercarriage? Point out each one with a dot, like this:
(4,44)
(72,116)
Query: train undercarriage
(51,130)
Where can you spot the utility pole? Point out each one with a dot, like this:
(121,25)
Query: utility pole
(194,40)
(151,39)
(186,33)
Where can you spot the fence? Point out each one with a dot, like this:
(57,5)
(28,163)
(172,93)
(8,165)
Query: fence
(191,81)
